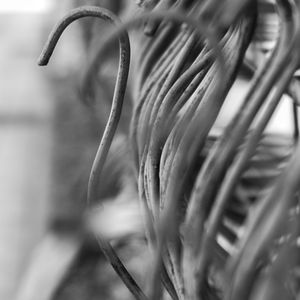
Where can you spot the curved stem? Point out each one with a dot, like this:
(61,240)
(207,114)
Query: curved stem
(296,121)
(116,109)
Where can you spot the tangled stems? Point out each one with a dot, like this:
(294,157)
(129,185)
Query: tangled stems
(195,80)
(243,280)
(270,218)
(188,138)
(177,18)
(239,165)
(146,111)
(271,214)
(235,131)
(215,166)
(189,134)
(153,110)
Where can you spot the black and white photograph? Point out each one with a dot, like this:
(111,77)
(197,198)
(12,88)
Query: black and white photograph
(149,150)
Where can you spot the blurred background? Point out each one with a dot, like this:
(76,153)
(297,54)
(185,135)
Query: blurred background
(26,136)
(30,98)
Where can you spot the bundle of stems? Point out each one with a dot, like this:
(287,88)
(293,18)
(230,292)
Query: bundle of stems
(216,206)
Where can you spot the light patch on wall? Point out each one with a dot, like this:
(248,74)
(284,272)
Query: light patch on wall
(28,6)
